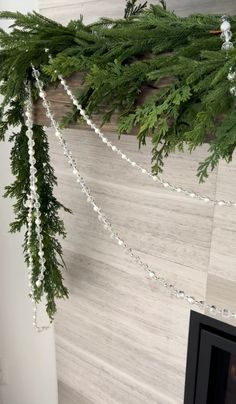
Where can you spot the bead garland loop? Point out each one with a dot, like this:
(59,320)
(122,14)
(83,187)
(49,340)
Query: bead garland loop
(179,294)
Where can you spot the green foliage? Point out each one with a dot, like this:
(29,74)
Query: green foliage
(128,56)
(52,225)
(177,59)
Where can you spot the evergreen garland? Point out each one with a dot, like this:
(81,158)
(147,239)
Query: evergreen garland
(118,58)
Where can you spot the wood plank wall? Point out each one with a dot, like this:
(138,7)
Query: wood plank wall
(120,339)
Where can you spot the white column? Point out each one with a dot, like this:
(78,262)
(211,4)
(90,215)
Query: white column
(30,357)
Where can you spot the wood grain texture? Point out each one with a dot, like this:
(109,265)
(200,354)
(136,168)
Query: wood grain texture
(120,338)
(62,105)
(119,333)
(221,282)
(63,11)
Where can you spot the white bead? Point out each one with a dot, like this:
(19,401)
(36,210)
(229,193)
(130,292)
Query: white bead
(227,46)
(180,294)
(179,190)
(123,156)
(104,139)
(33,188)
(231,76)
(114,148)
(221,203)
(193,195)
(190,299)
(28,114)
(38,283)
(226,313)
(165,184)
(213,309)
(133,164)
(225,26)
(233,90)
(97,131)
(89,122)
(28,204)
(151,274)
(206,200)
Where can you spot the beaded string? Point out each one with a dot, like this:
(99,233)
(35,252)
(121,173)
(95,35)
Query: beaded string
(123,156)
(179,294)
(33,206)
(226,36)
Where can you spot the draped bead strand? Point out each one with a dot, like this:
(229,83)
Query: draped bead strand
(34,214)
(107,225)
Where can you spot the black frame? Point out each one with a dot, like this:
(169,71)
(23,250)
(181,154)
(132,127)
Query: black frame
(204,332)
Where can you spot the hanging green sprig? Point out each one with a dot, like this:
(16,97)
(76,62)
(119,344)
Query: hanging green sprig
(53,227)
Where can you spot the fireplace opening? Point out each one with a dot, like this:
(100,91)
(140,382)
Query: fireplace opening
(211,362)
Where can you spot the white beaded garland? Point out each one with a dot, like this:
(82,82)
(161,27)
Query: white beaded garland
(123,156)
(180,294)
(226,34)
(33,205)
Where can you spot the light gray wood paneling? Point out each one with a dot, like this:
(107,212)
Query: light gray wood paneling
(120,338)
(63,11)
(221,282)
(119,333)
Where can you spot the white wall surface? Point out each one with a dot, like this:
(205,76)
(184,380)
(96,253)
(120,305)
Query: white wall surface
(30,357)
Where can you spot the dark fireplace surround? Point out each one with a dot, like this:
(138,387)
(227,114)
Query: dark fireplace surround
(211,362)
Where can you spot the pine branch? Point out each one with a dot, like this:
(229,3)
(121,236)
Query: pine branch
(52,225)
(132,9)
